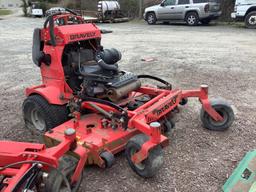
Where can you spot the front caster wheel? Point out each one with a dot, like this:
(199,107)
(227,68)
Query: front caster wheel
(150,166)
(55,181)
(224,109)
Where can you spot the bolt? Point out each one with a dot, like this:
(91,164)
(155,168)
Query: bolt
(155,124)
(204,86)
(69,132)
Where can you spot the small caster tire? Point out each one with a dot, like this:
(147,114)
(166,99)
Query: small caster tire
(184,101)
(55,181)
(224,109)
(167,125)
(108,158)
(148,167)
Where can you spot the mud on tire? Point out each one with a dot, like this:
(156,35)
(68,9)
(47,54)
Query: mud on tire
(150,166)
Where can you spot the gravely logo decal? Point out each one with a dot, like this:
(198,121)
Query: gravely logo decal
(82,36)
(165,107)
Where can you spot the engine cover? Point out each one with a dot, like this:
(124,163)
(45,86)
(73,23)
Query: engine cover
(114,87)
(122,86)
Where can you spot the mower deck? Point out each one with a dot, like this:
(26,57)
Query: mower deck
(92,135)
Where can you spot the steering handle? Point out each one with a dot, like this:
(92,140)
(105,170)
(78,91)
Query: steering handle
(50,20)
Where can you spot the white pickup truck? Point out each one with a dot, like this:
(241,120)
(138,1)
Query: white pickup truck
(36,10)
(245,10)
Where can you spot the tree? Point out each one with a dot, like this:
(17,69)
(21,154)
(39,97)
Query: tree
(25,7)
(141,4)
(227,6)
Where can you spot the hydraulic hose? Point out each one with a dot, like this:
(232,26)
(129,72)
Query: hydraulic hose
(105,66)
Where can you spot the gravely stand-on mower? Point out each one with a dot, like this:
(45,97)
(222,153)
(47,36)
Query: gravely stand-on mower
(103,110)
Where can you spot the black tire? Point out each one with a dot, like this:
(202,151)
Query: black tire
(108,158)
(167,124)
(250,20)
(192,18)
(224,109)
(55,181)
(151,18)
(150,166)
(183,101)
(205,21)
(40,116)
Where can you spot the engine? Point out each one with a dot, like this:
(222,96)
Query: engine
(92,71)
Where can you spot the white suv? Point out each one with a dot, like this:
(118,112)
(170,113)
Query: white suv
(245,10)
(191,11)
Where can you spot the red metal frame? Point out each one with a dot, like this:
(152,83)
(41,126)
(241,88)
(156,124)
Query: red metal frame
(54,87)
(15,152)
(92,138)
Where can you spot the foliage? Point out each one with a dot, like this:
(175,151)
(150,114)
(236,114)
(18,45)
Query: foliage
(5,12)
(227,7)
(130,7)
(25,7)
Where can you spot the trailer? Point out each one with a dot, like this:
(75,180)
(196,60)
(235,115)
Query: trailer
(105,12)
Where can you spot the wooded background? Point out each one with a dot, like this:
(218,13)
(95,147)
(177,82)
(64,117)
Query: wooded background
(131,8)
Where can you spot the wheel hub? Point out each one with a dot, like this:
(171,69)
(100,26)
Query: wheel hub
(37,120)
(191,19)
(219,123)
(150,19)
(252,20)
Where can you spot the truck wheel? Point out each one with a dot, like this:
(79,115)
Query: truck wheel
(151,18)
(40,116)
(250,20)
(55,181)
(150,166)
(192,18)
(224,109)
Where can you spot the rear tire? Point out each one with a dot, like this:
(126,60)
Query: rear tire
(40,116)
(192,19)
(151,18)
(250,20)
(148,167)
(55,181)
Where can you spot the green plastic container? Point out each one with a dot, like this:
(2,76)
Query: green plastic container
(243,179)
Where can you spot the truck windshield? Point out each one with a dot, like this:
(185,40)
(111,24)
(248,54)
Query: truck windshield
(206,1)
(36,6)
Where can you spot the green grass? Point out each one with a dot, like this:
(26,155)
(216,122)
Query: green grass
(232,23)
(5,12)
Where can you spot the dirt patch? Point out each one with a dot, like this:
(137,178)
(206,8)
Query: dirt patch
(197,160)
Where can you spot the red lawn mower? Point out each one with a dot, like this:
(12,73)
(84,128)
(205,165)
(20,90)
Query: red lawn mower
(87,110)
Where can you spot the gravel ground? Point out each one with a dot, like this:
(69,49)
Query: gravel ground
(197,160)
